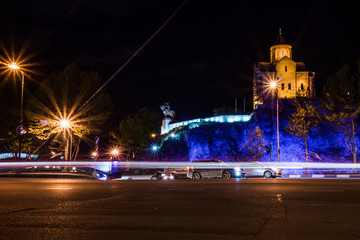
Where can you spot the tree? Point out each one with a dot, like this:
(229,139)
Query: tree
(9,120)
(134,132)
(59,98)
(255,146)
(342,104)
(303,122)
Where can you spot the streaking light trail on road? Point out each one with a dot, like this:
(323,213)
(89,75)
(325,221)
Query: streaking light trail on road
(150,164)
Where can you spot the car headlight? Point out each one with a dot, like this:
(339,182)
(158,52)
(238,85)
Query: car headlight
(101,176)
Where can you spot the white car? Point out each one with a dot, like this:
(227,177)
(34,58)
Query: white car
(210,169)
(261,170)
(141,174)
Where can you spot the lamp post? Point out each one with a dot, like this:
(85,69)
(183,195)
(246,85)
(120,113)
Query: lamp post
(115,153)
(66,125)
(274,87)
(21,129)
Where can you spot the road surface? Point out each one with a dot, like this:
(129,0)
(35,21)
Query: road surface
(181,209)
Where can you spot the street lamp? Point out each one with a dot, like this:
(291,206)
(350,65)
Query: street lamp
(21,129)
(274,87)
(65,125)
(115,152)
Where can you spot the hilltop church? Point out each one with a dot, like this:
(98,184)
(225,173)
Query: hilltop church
(292,78)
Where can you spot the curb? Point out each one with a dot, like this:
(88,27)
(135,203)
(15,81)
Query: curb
(320,176)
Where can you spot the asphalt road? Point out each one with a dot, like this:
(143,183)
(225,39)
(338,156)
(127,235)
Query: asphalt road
(181,209)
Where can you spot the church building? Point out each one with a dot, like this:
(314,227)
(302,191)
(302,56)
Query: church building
(291,78)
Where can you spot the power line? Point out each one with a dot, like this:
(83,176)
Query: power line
(135,53)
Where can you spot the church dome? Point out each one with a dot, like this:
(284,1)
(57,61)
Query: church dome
(279,39)
(280,49)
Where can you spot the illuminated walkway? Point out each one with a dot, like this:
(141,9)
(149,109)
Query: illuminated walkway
(216,119)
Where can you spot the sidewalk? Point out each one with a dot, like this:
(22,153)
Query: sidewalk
(337,176)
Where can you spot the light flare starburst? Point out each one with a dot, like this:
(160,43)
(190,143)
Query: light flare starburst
(271,84)
(13,64)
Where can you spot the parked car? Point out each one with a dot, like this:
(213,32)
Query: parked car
(210,169)
(141,174)
(261,170)
(176,172)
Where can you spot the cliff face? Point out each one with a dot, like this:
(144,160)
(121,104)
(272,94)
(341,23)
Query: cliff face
(225,141)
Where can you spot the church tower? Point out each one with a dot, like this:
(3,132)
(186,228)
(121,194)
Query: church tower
(291,77)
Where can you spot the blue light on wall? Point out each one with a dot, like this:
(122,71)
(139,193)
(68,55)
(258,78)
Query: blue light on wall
(215,119)
(11,155)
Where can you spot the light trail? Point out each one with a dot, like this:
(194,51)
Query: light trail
(151,164)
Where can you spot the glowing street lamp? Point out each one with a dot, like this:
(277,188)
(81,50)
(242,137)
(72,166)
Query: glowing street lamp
(274,87)
(21,129)
(115,152)
(65,125)
(14,66)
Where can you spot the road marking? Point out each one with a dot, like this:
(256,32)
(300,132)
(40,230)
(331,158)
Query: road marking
(57,188)
(318,175)
(324,190)
(329,205)
(186,189)
(295,176)
(342,176)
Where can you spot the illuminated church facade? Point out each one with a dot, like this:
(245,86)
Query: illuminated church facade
(292,79)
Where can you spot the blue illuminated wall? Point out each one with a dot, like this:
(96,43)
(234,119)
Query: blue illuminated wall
(215,119)
(22,155)
(225,140)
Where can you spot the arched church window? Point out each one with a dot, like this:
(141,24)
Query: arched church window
(289,86)
(285,68)
(302,86)
(282,86)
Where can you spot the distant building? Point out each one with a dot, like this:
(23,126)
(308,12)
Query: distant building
(292,78)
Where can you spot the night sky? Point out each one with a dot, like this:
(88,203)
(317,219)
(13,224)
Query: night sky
(202,59)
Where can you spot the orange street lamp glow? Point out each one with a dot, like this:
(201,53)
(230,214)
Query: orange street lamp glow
(14,66)
(273,84)
(64,123)
(115,152)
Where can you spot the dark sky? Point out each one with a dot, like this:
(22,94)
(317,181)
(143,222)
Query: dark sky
(202,59)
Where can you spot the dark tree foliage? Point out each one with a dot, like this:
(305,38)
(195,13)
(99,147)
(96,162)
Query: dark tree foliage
(255,146)
(303,122)
(341,97)
(134,132)
(61,96)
